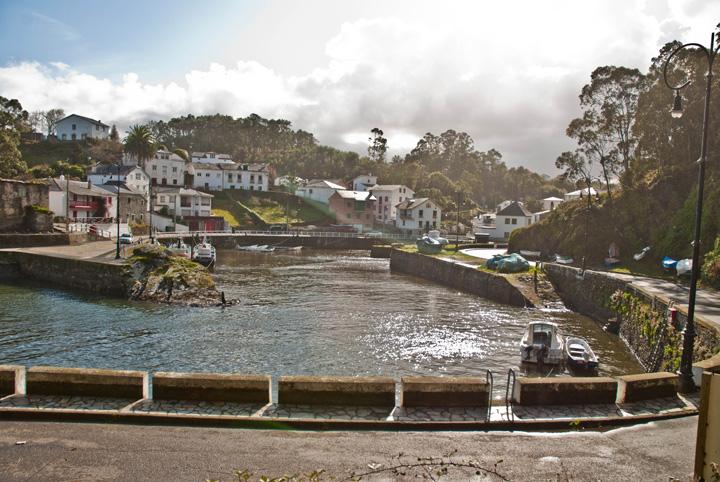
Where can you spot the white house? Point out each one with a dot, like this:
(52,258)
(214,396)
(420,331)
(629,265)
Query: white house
(80,200)
(209,177)
(508,219)
(183,202)
(364,182)
(211,158)
(217,177)
(550,203)
(483,223)
(132,176)
(388,197)
(76,127)
(580,193)
(417,216)
(166,169)
(289,181)
(319,191)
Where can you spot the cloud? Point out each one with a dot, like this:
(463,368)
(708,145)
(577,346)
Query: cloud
(510,80)
(62,29)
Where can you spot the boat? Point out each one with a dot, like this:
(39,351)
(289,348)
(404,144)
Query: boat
(564,259)
(263,248)
(428,245)
(668,263)
(542,343)
(529,254)
(288,248)
(179,248)
(204,253)
(579,355)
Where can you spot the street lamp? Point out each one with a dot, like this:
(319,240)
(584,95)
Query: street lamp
(457,220)
(588,181)
(686,379)
(117,214)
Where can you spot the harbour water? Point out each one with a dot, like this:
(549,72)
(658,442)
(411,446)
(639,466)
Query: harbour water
(316,312)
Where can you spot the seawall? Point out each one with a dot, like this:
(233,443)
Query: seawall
(459,276)
(231,241)
(24,240)
(642,319)
(89,275)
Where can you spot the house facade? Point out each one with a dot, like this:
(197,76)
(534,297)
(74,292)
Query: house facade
(550,203)
(388,197)
(77,128)
(166,169)
(510,218)
(580,193)
(353,207)
(211,158)
(183,202)
(417,216)
(134,177)
(80,200)
(217,177)
(133,204)
(319,191)
(364,182)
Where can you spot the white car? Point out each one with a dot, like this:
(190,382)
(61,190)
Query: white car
(126,238)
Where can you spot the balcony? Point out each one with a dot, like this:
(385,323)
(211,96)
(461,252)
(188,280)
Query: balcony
(88,205)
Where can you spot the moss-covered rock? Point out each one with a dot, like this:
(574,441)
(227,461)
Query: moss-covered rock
(154,274)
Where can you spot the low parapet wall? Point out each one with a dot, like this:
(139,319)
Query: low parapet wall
(565,391)
(462,277)
(353,391)
(85,274)
(444,392)
(11,380)
(316,242)
(215,387)
(87,382)
(646,386)
(28,240)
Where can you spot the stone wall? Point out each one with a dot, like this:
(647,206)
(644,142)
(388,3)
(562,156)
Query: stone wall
(89,275)
(18,240)
(459,276)
(591,295)
(15,198)
(231,241)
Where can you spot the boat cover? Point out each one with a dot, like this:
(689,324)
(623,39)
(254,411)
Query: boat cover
(668,262)
(508,263)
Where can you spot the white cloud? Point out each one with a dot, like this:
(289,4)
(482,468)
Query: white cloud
(508,75)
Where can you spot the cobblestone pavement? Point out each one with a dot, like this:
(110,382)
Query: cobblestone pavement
(328,412)
(454,414)
(64,402)
(183,407)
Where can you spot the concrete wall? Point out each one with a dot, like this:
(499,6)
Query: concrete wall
(15,196)
(464,278)
(230,242)
(90,275)
(11,380)
(444,392)
(213,387)
(646,386)
(355,391)
(565,391)
(86,382)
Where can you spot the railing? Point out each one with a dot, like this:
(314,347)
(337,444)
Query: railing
(83,205)
(509,390)
(489,379)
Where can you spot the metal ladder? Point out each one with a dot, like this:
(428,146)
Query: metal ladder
(508,394)
(489,379)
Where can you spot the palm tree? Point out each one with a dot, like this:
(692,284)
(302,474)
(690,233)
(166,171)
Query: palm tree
(140,143)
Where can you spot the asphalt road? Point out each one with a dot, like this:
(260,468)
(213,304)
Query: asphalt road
(77,451)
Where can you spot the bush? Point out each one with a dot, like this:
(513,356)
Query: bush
(711,266)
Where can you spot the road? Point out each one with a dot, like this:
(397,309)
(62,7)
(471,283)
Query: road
(77,451)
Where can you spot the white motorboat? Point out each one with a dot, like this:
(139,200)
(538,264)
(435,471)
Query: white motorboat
(579,355)
(263,248)
(291,249)
(542,343)
(564,259)
(179,248)
(204,253)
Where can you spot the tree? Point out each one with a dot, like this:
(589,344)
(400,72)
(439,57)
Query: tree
(51,118)
(105,150)
(140,143)
(35,121)
(13,122)
(378,145)
(114,136)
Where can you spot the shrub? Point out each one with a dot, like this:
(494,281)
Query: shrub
(711,266)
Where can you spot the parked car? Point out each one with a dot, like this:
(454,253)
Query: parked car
(126,238)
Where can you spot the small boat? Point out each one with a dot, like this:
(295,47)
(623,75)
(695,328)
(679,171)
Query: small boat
(668,263)
(641,254)
(529,254)
(204,253)
(179,248)
(684,267)
(288,248)
(542,343)
(579,355)
(263,248)
(564,259)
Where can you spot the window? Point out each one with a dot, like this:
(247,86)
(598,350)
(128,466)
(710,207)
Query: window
(73,137)
(229,177)
(507,220)
(83,136)
(207,174)
(164,180)
(434,224)
(259,188)
(174,169)
(154,167)
(420,213)
(74,127)
(64,137)
(138,176)
(514,220)
(162,199)
(174,181)
(252,178)
(97,128)
(434,214)
(259,179)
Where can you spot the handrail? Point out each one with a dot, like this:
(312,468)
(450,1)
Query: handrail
(508,401)
(489,377)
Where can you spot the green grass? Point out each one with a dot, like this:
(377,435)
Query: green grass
(50,152)
(271,208)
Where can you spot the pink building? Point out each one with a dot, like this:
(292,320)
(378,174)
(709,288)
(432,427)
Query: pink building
(353,207)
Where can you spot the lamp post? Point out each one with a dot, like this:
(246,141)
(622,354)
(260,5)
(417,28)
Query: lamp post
(117,214)
(588,182)
(457,221)
(686,379)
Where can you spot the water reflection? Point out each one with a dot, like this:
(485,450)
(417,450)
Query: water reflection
(310,313)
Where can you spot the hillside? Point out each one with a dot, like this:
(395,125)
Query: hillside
(258,209)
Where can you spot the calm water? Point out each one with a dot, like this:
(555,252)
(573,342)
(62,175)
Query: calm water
(311,313)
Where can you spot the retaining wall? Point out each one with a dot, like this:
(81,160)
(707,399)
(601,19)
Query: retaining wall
(565,391)
(462,277)
(231,241)
(41,239)
(86,382)
(444,392)
(590,295)
(11,380)
(15,197)
(646,386)
(85,274)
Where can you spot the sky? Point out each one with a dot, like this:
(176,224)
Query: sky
(508,73)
